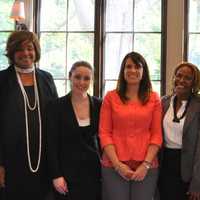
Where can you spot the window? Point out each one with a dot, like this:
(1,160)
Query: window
(133,25)
(66,36)
(100,32)
(193,35)
(7,25)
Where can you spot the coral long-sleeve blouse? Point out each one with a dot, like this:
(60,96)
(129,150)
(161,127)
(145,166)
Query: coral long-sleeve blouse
(130,127)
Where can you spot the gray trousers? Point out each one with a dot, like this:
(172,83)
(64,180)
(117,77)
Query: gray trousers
(114,187)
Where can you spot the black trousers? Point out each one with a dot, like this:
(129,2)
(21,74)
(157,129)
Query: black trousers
(88,190)
(49,196)
(170,184)
(2,194)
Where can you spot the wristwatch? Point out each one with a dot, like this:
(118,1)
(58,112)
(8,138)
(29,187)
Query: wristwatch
(146,164)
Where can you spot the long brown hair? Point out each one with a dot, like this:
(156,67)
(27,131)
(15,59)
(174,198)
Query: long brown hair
(145,84)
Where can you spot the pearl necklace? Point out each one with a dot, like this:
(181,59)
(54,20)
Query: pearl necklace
(27,104)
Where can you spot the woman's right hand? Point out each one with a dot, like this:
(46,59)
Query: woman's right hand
(60,185)
(124,170)
(2,176)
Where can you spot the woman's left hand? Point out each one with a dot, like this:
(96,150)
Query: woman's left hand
(194,195)
(140,173)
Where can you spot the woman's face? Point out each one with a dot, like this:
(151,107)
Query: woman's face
(25,56)
(132,72)
(183,81)
(80,79)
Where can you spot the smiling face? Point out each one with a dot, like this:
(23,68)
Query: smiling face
(80,79)
(183,82)
(132,73)
(25,56)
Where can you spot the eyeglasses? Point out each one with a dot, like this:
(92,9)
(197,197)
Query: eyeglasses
(84,78)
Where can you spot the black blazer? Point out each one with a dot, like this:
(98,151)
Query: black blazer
(69,155)
(12,110)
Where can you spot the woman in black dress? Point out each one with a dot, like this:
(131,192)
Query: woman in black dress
(24,92)
(72,139)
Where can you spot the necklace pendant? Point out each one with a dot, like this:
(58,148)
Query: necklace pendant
(176,120)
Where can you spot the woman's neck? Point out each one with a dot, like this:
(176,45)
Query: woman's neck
(80,103)
(182,97)
(78,97)
(132,92)
(179,100)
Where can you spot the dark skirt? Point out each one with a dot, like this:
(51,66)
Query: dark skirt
(170,184)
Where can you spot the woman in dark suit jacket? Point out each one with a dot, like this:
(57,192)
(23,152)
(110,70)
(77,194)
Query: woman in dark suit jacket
(180,158)
(73,145)
(24,93)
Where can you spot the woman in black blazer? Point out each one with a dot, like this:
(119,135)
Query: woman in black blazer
(73,152)
(24,93)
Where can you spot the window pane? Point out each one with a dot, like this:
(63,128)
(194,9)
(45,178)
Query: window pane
(156,86)
(110,85)
(194,16)
(53,55)
(147,15)
(193,49)
(3,58)
(80,47)
(61,86)
(65,38)
(81,15)
(6,23)
(119,15)
(53,15)
(117,45)
(149,45)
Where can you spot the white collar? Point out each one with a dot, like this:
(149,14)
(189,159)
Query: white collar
(24,71)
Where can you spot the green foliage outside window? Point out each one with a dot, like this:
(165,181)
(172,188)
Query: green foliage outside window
(6,26)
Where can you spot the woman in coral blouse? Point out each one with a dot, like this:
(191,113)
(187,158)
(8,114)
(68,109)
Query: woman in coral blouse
(130,134)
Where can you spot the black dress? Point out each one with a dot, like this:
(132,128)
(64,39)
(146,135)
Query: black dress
(20,182)
(32,185)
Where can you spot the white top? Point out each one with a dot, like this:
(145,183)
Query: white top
(84,122)
(173,132)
